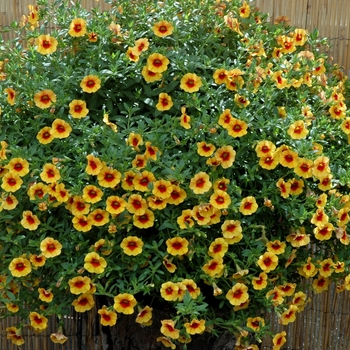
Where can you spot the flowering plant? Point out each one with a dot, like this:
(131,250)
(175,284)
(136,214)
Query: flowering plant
(165,156)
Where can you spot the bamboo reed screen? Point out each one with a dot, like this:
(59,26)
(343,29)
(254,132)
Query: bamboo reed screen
(325,322)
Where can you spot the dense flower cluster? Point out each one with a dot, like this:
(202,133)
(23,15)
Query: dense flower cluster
(196,156)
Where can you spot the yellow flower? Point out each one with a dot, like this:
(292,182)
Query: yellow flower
(169,330)
(144,316)
(185,219)
(11,95)
(248,206)
(163,28)
(177,246)
(99,217)
(139,181)
(77,27)
(277,247)
(162,189)
(279,340)
(260,282)
(30,221)
(132,245)
(60,129)
(226,156)
(321,167)
(169,291)
(157,63)
(268,262)
(220,200)
(94,165)
(94,263)
(115,205)
(84,302)
(324,232)
(77,109)
(90,83)
(241,101)
(11,182)
(214,267)
(297,130)
(150,76)
(320,284)
(37,260)
(244,10)
(164,102)
(108,317)
(124,303)
(92,194)
(200,183)
(218,248)
(9,202)
(190,82)
(255,323)
(45,295)
(18,166)
(108,177)
(79,284)
(145,220)
(238,294)
(50,247)
(232,231)
(20,267)
(58,337)
(44,135)
(46,44)
(38,322)
(44,99)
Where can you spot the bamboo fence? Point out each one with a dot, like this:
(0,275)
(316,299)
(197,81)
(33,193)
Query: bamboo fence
(325,322)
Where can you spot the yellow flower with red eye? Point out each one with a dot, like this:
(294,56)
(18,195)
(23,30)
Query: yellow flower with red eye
(37,321)
(94,263)
(9,202)
(288,158)
(276,296)
(99,217)
(289,315)
(226,156)
(238,294)
(279,340)
(11,182)
(232,231)
(44,135)
(269,161)
(321,167)
(296,186)
(218,248)
(169,265)
(115,205)
(82,223)
(277,247)
(177,246)
(79,284)
(244,10)
(220,76)
(12,307)
(92,194)
(144,317)
(77,27)
(45,295)
(169,330)
(11,95)
(44,99)
(18,166)
(157,63)
(92,37)
(205,149)
(241,101)
(144,220)
(268,262)
(108,177)
(90,83)
(37,260)
(140,181)
(136,204)
(298,238)
(150,76)
(195,326)
(131,245)
(214,267)
(108,317)
(248,206)
(185,219)
(255,323)
(162,189)
(177,195)
(30,221)
(133,54)
(260,282)
(190,82)
(60,129)
(297,130)
(77,109)
(200,183)
(324,232)
(134,140)
(124,303)
(320,284)
(85,302)
(164,102)
(264,147)
(237,128)
(163,28)
(304,167)
(151,151)
(220,199)
(169,291)
(94,165)
(20,267)
(50,247)
(225,118)
(46,44)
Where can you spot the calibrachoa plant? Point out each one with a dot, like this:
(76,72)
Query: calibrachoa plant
(181,154)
